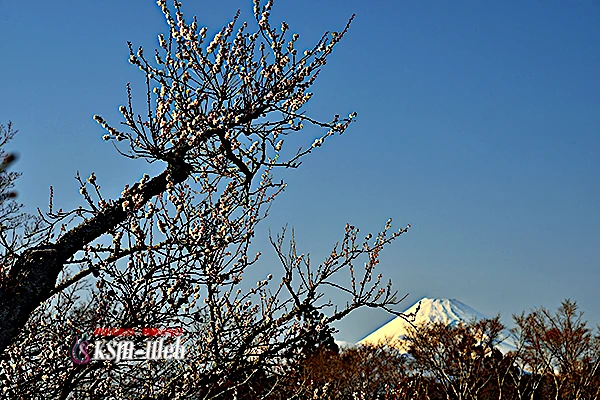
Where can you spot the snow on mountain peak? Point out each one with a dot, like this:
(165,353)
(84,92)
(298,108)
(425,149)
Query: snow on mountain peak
(447,311)
(426,310)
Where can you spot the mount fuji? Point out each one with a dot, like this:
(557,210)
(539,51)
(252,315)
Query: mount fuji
(447,311)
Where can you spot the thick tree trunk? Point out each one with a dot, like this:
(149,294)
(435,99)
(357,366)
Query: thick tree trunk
(33,277)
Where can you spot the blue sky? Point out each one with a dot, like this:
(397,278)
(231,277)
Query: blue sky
(478,124)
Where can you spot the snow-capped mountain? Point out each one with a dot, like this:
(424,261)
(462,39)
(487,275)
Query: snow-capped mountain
(447,311)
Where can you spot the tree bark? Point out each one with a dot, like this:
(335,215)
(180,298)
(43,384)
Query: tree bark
(33,277)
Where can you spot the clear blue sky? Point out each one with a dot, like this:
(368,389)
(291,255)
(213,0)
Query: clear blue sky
(478,124)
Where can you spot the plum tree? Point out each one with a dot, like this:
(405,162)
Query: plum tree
(173,249)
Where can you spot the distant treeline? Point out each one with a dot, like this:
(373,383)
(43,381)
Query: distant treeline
(555,356)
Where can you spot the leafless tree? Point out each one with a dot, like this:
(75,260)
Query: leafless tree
(365,372)
(562,349)
(525,376)
(460,358)
(175,249)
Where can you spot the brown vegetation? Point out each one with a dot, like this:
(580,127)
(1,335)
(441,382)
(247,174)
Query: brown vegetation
(556,357)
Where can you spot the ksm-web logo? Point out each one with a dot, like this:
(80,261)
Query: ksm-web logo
(118,344)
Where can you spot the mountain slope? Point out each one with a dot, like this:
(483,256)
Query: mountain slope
(426,310)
